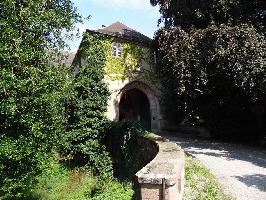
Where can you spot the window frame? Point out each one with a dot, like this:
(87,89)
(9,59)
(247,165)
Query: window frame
(116,49)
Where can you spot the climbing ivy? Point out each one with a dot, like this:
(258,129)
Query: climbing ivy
(130,65)
(87,110)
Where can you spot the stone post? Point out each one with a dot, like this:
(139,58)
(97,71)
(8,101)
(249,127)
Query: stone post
(163,177)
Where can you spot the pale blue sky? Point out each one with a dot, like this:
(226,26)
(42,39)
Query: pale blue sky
(137,14)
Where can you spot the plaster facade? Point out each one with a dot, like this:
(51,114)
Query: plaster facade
(132,68)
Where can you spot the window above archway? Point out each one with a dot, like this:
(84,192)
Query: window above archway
(117,49)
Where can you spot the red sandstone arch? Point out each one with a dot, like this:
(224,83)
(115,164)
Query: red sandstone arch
(153,101)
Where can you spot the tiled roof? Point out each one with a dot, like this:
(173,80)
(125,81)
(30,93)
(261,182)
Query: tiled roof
(120,30)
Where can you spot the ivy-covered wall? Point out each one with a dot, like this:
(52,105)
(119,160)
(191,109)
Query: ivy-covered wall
(135,62)
(134,69)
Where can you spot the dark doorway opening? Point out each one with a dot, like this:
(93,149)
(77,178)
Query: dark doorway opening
(134,106)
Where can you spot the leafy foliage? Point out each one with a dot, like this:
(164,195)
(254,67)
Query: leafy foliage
(32,92)
(88,107)
(123,67)
(201,13)
(236,52)
(122,140)
(218,71)
(212,60)
(127,65)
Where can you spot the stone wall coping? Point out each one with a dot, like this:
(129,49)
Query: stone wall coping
(167,166)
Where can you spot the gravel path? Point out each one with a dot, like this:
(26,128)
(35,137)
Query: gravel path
(240,169)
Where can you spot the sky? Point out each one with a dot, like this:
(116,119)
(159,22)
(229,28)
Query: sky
(136,14)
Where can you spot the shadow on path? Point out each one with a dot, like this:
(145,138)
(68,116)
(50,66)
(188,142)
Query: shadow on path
(245,177)
(230,151)
(255,180)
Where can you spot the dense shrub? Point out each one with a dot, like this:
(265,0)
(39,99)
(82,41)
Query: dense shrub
(87,109)
(122,142)
(32,92)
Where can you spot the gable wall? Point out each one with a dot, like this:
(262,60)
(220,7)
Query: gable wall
(133,70)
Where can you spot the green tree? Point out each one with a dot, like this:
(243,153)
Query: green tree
(201,13)
(212,61)
(32,91)
(88,107)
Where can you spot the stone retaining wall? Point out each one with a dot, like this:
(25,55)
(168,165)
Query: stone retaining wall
(163,177)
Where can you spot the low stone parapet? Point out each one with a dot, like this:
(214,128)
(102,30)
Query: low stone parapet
(163,177)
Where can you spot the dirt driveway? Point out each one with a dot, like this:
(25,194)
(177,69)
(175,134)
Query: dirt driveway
(240,169)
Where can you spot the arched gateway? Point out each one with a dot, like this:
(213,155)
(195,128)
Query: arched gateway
(137,101)
(129,71)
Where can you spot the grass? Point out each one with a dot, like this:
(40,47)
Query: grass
(60,183)
(113,190)
(200,184)
(57,183)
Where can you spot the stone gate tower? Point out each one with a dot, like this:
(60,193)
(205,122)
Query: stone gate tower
(131,76)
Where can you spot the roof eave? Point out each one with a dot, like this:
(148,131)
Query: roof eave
(135,40)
